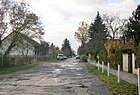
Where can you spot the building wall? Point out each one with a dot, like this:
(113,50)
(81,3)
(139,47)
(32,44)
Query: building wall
(135,71)
(125,62)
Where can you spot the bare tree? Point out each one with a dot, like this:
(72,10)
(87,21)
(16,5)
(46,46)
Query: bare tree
(3,14)
(114,25)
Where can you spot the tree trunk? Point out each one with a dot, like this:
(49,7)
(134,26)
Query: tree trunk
(8,50)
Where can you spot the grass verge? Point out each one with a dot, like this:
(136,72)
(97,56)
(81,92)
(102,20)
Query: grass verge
(122,88)
(7,70)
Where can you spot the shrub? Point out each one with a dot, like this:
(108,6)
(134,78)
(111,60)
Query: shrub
(83,58)
(103,56)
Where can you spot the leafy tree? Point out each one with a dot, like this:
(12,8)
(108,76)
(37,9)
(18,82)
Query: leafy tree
(44,48)
(113,45)
(81,50)
(97,34)
(54,50)
(22,20)
(133,30)
(73,53)
(66,48)
(82,34)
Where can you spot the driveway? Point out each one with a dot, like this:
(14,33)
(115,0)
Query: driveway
(67,77)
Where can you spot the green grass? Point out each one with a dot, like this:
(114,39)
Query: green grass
(122,88)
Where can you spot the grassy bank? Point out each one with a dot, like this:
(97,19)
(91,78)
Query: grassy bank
(122,88)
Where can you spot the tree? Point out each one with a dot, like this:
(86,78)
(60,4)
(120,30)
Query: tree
(3,14)
(22,20)
(113,45)
(133,31)
(115,26)
(81,50)
(44,48)
(97,34)
(82,34)
(66,48)
(54,50)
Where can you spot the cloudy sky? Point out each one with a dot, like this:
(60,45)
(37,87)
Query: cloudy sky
(61,17)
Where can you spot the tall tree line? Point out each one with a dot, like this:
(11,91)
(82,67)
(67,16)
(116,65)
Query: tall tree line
(93,37)
(110,28)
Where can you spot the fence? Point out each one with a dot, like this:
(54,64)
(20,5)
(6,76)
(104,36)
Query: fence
(18,60)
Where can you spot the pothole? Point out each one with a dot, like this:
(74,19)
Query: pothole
(21,79)
(83,86)
(67,87)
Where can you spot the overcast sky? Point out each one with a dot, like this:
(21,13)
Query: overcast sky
(61,17)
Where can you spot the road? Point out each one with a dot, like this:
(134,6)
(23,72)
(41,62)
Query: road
(67,77)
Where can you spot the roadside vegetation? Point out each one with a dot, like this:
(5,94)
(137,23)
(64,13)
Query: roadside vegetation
(11,69)
(7,70)
(122,88)
(109,36)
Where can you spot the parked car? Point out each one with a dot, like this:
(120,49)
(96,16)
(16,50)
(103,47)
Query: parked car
(77,57)
(65,57)
(61,57)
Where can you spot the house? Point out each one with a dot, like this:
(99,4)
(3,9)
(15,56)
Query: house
(129,57)
(24,45)
(129,63)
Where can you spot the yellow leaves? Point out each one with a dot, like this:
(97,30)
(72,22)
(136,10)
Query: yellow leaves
(90,56)
(115,44)
(82,32)
(54,51)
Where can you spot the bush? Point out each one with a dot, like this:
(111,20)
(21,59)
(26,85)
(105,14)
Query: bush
(83,58)
(103,57)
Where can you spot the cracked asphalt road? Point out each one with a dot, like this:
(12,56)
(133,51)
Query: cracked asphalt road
(67,77)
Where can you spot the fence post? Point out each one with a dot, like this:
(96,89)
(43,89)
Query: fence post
(108,69)
(98,65)
(139,79)
(118,73)
(94,63)
(102,66)
(2,60)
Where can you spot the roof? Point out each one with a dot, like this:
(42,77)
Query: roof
(25,37)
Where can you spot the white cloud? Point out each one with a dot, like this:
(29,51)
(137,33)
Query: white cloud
(61,17)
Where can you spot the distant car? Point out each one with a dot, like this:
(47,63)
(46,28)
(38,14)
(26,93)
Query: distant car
(60,57)
(77,57)
(65,57)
